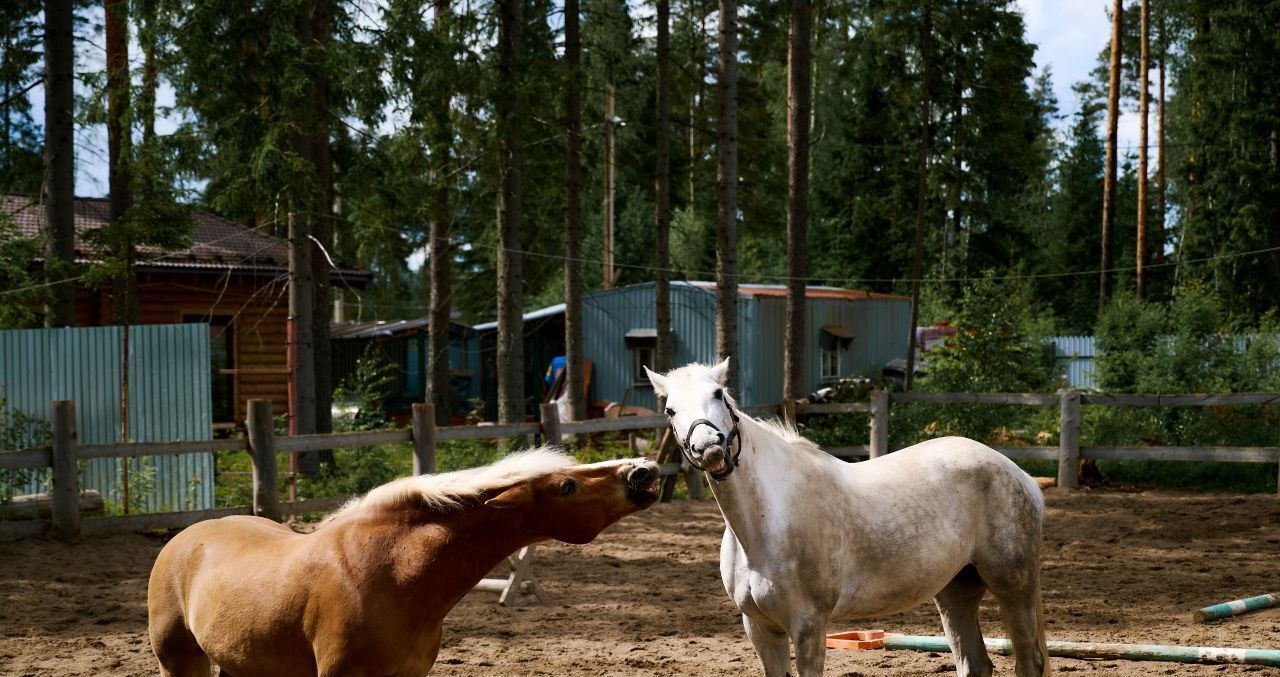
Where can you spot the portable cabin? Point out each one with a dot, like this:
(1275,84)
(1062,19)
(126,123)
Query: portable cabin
(849,333)
(404,345)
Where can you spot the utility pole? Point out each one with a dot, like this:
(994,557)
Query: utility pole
(609,122)
(302,375)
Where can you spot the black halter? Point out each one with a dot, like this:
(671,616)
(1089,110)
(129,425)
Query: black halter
(730,460)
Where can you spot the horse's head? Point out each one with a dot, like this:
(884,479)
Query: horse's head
(701,413)
(576,503)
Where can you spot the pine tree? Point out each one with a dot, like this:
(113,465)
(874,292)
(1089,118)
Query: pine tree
(798,94)
(727,193)
(574,368)
(1109,178)
(59,163)
(510,112)
(20,58)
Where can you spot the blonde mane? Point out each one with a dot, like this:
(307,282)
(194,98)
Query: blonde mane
(446,491)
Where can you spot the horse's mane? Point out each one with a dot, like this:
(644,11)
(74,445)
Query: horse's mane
(781,431)
(445,491)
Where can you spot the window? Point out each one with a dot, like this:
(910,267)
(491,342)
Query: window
(641,357)
(834,341)
(643,344)
(222,353)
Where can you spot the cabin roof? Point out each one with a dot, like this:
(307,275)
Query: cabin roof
(217,244)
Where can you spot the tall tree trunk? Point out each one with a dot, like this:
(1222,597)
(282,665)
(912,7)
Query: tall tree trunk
(574,382)
(59,163)
(146,105)
(1160,180)
(798,93)
(662,191)
(926,39)
(1109,175)
(438,390)
(116,16)
(321,22)
(509,110)
(727,193)
(1144,65)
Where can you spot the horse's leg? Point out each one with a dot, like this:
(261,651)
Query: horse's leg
(1018,591)
(771,647)
(182,657)
(958,606)
(809,634)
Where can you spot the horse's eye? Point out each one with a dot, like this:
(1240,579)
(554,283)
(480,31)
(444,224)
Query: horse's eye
(719,394)
(568,487)
(671,412)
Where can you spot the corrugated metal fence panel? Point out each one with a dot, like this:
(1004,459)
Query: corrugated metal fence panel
(168,399)
(38,366)
(1075,360)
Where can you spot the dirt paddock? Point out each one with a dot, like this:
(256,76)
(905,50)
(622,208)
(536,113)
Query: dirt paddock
(646,599)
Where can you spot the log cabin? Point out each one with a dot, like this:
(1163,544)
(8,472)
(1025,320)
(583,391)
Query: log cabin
(232,278)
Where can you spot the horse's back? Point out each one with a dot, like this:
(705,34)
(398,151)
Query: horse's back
(955,464)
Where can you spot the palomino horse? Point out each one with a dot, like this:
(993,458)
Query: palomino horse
(810,539)
(367,592)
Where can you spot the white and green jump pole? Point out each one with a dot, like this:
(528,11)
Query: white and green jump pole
(1128,652)
(1236,607)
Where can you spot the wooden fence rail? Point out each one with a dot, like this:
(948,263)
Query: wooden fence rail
(263,444)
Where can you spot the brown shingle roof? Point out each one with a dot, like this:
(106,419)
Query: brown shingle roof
(217,243)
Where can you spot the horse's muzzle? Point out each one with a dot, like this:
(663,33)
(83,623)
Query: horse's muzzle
(713,460)
(641,481)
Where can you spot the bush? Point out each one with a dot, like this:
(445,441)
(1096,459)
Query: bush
(1189,345)
(998,347)
(19,430)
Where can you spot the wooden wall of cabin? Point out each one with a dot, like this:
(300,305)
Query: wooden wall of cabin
(257,308)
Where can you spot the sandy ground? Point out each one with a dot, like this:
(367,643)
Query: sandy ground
(646,598)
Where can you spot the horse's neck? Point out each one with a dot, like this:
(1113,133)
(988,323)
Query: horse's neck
(753,496)
(444,558)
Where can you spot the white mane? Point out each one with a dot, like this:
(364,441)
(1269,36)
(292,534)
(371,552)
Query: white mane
(783,431)
(446,490)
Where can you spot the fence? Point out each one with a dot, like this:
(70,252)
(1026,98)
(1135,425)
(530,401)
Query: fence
(166,367)
(424,435)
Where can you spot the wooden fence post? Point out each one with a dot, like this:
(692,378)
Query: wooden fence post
(424,438)
(551,423)
(1069,440)
(66,476)
(262,450)
(879,423)
(787,410)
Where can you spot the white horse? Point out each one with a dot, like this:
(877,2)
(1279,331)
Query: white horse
(810,539)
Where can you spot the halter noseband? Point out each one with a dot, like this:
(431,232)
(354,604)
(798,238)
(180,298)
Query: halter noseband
(730,461)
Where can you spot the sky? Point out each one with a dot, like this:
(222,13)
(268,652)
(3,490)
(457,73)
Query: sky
(1068,35)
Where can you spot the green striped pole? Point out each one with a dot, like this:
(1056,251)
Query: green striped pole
(1129,652)
(1236,607)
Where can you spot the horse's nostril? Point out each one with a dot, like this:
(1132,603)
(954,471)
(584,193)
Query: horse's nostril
(641,477)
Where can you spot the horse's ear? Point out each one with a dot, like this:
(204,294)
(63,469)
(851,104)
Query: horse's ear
(658,381)
(720,372)
(513,497)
